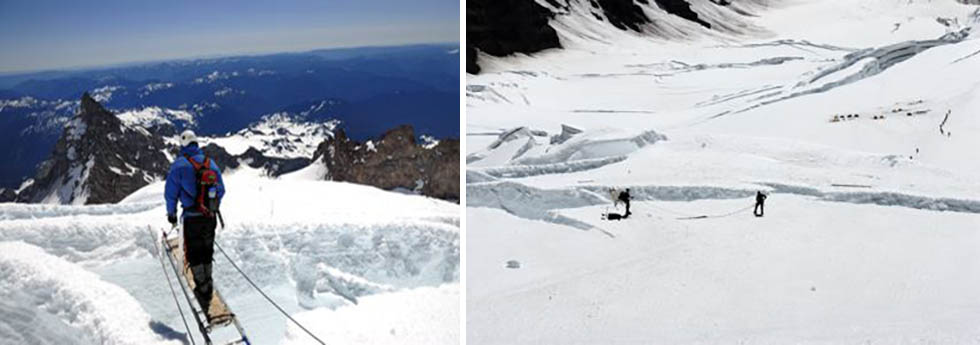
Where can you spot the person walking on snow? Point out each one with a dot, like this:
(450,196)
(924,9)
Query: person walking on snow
(760,203)
(624,196)
(195,180)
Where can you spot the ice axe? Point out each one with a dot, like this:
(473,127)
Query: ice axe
(220,219)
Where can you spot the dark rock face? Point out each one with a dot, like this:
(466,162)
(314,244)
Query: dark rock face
(682,8)
(273,166)
(97,160)
(471,66)
(504,27)
(221,157)
(624,14)
(7,195)
(395,161)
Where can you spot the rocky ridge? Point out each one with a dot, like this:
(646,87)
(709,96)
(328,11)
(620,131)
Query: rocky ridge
(102,157)
(98,159)
(395,161)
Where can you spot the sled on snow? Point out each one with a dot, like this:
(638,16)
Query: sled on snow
(220,315)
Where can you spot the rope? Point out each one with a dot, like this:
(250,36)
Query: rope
(176,301)
(668,210)
(746,208)
(720,215)
(688,216)
(249,280)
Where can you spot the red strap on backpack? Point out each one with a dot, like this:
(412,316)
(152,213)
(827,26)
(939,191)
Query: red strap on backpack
(209,177)
(197,166)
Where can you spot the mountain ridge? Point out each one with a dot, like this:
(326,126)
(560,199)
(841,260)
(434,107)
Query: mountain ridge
(102,157)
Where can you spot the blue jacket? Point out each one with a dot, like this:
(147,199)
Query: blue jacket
(181,181)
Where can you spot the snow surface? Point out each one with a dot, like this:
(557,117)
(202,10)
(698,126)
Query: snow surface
(873,220)
(104,94)
(154,116)
(415,316)
(104,312)
(279,135)
(312,245)
(147,89)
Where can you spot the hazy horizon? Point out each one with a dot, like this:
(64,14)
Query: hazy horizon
(60,35)
(211,56)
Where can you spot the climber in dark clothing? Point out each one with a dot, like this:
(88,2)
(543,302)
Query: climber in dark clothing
(624,196)
(182,184)
(760,203)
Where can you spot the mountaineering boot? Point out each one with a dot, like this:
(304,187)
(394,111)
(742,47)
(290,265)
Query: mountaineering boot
(202,287)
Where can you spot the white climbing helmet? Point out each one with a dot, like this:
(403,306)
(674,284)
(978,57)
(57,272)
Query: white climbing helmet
(187,137)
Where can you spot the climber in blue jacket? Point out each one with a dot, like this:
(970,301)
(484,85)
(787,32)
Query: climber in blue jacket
(195,180)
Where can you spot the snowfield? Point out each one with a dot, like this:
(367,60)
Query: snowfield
(90,274)
(859,118)
(278,135)
(103,312)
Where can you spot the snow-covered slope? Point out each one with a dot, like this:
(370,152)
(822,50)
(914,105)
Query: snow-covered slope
(103,312)
(150,117)
(858,117)
(92,269)
(279,135)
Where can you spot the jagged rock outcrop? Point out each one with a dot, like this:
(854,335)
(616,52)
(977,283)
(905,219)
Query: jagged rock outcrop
(97,160)
(7,195)
(624,14)
(225,160)
(273,166)
(682,8)
(504,27)
(395,161)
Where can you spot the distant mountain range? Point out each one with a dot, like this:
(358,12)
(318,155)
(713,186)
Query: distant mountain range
(368,90)
(102,157)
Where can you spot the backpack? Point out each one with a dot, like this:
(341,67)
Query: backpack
(206,180)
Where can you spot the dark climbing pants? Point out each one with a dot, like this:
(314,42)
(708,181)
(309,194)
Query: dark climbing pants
(759,209)
(199,249)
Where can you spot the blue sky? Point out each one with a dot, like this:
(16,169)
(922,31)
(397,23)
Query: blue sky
(49,34)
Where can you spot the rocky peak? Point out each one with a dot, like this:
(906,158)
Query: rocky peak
(93,114)
(98,159)
(395,161)
(401,136)
(7,195)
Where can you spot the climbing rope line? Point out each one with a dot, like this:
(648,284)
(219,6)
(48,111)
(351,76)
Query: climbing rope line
(176,301)
(720,215)
(669,210)
(267,298)
(688,216)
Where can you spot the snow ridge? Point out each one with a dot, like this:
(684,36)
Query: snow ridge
(103,311)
